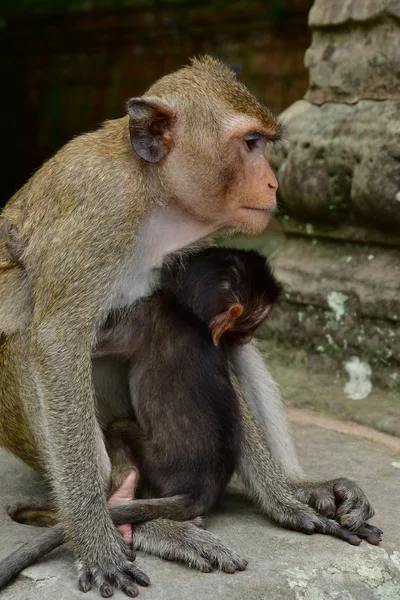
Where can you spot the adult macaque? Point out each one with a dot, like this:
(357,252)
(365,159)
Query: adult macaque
(97,220)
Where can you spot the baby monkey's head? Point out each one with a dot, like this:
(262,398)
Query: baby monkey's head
(230,290)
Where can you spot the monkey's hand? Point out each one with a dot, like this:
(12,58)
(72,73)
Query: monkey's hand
(118,571)
(121,573)
(343,500)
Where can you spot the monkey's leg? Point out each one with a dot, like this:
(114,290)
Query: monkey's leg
(172,540)
(187,542)
(268,427)
(121,437)
(124,476)
(272,490)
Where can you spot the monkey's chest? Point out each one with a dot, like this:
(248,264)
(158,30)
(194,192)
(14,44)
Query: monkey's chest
(132,284)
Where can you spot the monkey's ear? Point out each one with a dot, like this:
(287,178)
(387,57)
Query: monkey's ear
(224,321)
(236,68)
(150,127)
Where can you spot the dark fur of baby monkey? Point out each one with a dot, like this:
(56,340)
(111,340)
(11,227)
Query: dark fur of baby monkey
(187,436)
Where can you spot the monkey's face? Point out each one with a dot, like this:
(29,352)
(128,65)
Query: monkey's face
(208,133)
(228,183)
(250,196)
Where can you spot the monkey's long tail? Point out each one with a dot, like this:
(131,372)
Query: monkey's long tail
(30,552)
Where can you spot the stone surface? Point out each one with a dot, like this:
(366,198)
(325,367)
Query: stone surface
(337,12)
(340,262)
(333,170)
(355,50)
(283,565)
(353,64)
(340,300)
(317,381)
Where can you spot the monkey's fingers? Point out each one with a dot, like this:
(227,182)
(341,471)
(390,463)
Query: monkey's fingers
(373,529)
(106,587)
(369,533)
(218,555)
(85,581)
(137,575)
(353,506)
(347,536)
(124,578)
(303,518)
(324,502)
(366,532)
(187,542)
(330,527)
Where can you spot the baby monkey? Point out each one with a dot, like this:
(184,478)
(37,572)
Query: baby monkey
(187,433)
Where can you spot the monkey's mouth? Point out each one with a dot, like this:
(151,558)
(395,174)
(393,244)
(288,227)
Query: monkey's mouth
(267,210)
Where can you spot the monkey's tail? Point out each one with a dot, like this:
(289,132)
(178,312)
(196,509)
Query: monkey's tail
(177,508)
(31,551)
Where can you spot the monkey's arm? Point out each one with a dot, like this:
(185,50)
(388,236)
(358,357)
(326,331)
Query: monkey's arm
(70,291)
(270,468)
(79,465)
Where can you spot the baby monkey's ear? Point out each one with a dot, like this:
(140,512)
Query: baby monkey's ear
(224,321)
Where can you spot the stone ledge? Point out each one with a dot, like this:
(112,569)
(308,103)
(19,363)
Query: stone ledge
(317,382)
(283,565)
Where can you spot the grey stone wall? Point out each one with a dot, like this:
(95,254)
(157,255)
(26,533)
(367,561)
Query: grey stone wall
(339,177)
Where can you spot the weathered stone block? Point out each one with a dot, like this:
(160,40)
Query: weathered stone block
(353,62)
(340,300)
(337,12)
(343,163)
(339,186)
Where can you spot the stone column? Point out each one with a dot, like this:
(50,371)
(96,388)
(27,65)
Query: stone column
(339,177)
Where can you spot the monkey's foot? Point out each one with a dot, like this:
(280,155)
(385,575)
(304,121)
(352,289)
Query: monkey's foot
(187,542)
(344,503)
(125,493)
(339,498)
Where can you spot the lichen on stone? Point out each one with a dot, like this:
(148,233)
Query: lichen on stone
(359,385)
(336,302)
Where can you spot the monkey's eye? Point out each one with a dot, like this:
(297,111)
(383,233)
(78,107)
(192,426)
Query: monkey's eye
(253,140)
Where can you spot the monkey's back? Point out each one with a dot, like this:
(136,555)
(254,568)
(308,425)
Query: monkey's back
(185,405)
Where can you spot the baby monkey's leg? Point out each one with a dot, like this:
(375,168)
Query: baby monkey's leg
(124,474)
